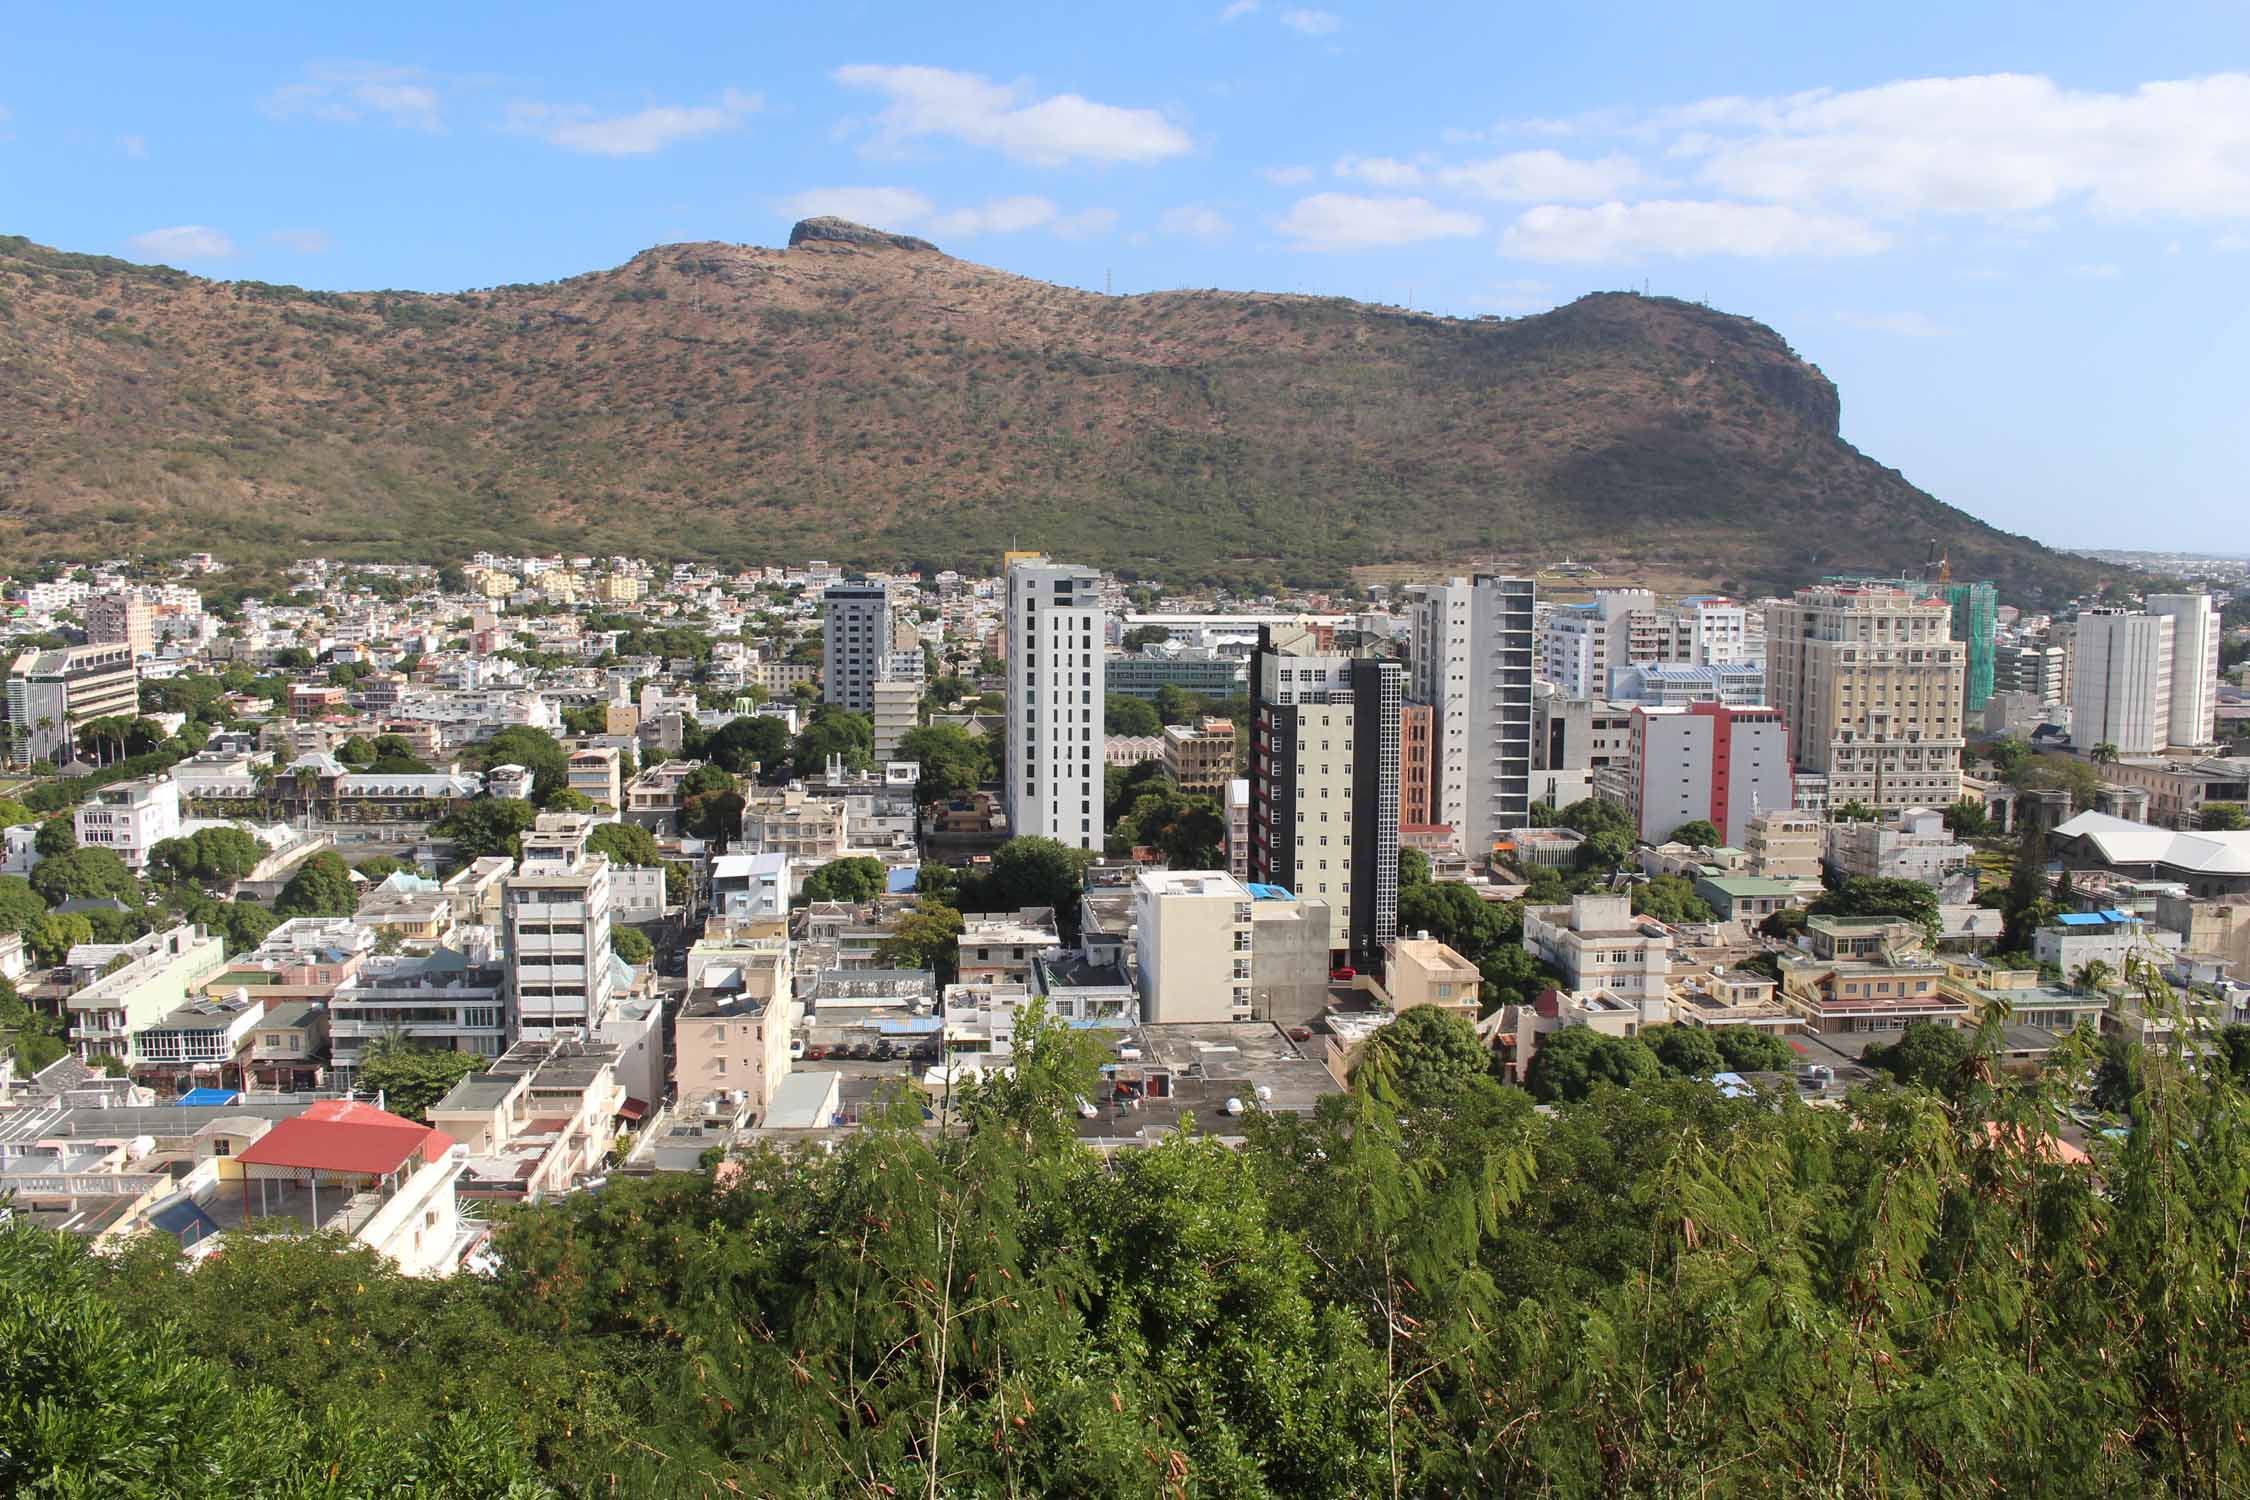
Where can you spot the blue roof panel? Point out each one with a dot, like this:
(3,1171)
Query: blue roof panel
(210,1097)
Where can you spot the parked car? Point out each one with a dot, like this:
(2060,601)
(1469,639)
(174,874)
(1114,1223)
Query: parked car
(1300,1033)
(1344,975)
(815,1054)
(796,1046)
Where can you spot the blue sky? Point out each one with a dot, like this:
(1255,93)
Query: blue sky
(2017,235)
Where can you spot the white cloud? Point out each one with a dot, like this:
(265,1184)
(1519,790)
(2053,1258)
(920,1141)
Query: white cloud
(1000,216)
(304,241)
(135,146)
(1238,10)
(1049,132)
(1346,221)
(1312,22)
(1543,176)
(1382,171)
(1911,325)
(1195,221)
(346,93)
(183,242)
(1998,146)
(903,208)
(2097,271)
(643,133)
(882,207)
(1086,224)
(2234,242)
(1288,176)
(1639,231)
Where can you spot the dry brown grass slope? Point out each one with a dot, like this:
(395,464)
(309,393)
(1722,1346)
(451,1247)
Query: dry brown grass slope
(871,399)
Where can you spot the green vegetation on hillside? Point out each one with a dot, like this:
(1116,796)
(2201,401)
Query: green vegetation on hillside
(885,404)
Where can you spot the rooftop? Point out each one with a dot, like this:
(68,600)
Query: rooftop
(341,1135)
(2121,841)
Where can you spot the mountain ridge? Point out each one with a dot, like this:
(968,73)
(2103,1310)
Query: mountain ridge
(867,397)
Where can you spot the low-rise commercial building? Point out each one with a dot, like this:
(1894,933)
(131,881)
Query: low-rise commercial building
(1785,844)
(127,988)
(595,774)
(448,1000)
(129,818)
(1192,945)
(1914,845)
(1601,947)
(536,1122)
(2116,939)
(1423,971)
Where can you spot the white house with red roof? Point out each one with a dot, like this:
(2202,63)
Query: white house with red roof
(342,1167)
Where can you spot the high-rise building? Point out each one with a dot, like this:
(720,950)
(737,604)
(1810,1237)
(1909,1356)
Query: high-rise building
(1709,762)
(896,704)
(121,619)
(1200,756)
(1056,625)
(54,694)
(2122,695)
(1324,786)
(1976,613)
(1471,652)
(855,643)
(555,918)
(2195,666)
(1438,662)
(1416,725)
(2036,671)
(1867,676)
(1583,646)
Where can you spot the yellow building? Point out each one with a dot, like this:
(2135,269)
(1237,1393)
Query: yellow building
(1424,971)
(1869,678)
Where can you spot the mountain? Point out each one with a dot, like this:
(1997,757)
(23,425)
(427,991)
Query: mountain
(867,398)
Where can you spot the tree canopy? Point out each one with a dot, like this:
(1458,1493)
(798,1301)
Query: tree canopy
(1134,717)
(1569,1064)
(209,854)
(411,1078)
(1880,896)
(1672,899)
(953,760)
(487,826)
(856,878)
(1420,1286)
(85,874)
(321,887)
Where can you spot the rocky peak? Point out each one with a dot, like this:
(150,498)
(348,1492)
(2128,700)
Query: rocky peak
(836,231)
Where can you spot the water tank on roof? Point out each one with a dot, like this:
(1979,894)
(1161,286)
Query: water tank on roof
(1265,1093)
(1234,1106)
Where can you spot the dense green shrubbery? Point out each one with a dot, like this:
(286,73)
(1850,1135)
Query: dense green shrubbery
(1426,1288)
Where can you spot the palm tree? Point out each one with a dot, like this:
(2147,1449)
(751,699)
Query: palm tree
(2092,976)
(2103,754)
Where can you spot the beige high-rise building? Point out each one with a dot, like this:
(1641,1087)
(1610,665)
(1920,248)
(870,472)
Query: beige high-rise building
(1201,756)
(121,619)
(1869,678)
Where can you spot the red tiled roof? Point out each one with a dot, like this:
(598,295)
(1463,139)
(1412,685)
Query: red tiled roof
(345,1135)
